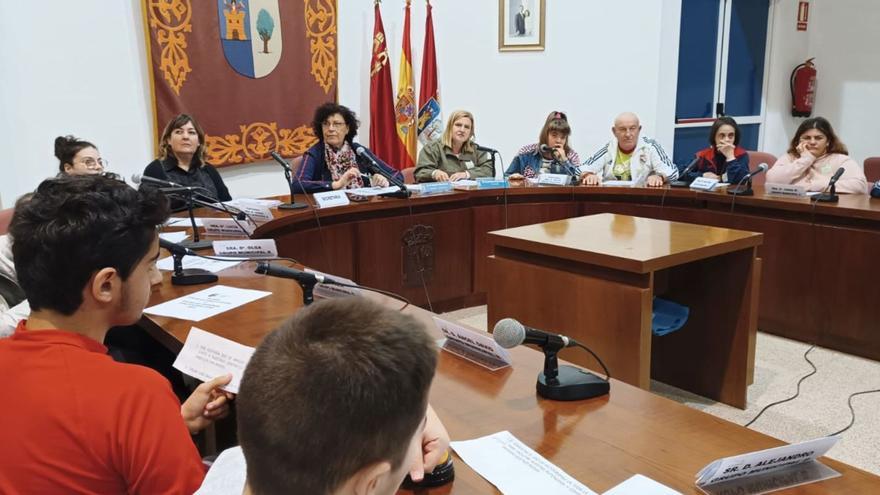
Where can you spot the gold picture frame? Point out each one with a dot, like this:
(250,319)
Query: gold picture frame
(521,25)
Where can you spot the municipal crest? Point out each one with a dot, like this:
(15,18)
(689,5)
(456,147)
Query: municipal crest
(250,33)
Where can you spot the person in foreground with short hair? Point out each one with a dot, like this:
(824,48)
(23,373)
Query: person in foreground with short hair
(335,402)
(455,155)
(333,163)
(629,157)
(530,161)
(814,155)
(78,421)
(723,156)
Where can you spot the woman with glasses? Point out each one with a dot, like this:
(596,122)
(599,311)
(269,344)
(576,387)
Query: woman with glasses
(455,155)
(77,156)
(724,156)
(551,154)
(334,162)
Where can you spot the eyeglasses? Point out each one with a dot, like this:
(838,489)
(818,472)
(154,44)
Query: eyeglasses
(92,163)
(331,125)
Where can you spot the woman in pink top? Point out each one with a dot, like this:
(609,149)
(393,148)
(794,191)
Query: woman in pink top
(814,156)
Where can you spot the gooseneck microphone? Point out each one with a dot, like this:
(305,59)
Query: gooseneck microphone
(831,196)
(684,182)
(306,280)
(555,382)
(374,167)
(288,174)
(746,189)
(188,276)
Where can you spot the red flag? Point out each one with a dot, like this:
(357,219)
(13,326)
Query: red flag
(430,119)
(383,127)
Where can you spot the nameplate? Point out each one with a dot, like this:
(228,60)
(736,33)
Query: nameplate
(330,199)
(491,183)
(259,214)
(768,470)
(227,227)
(553,179)
(473,345)
(248,248)
(704,184)
(329,290)
(785,189)
(436,187)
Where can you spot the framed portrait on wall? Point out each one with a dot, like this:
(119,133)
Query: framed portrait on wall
(520,25)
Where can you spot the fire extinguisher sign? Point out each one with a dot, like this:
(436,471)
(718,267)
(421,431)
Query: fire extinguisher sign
(803,15)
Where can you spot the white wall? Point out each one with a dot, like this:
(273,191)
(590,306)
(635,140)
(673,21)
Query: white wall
(844,38)
(86,74)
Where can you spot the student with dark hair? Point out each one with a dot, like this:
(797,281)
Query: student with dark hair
(85,248)
(182,160)
(814,155)
(723,156)
(335,402)
(530,161)
(333,163)
(77,156)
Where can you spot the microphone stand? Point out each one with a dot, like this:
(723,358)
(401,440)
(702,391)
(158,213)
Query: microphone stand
(189,276)
(683,173)
(567,382)
(829,197)
(374,167)
(195,243)
(288,172)
(742,190)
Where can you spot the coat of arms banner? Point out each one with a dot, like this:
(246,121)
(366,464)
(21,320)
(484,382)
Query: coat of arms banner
(250,71)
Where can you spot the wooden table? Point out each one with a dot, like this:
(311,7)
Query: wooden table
(818,281)
(594,279)
(600,442)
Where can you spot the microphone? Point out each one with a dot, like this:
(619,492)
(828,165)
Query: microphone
(138,178)
(684,172)
(546,149)
(836,176)
(377,169)
(486,149)
(288,174)
(280,160)
(175,248)
(265,268)
(509,333)
(761,168)
(746,190)
(831,195)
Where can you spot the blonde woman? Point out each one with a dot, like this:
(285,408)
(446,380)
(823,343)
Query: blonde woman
(454,156)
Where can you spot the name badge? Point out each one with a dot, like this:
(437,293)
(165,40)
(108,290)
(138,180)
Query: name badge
(704,184)
(553,179)
(785,189)
(260,214)
(473,345)
(331,290)
(227,227)
(469,164)
(250,248)
(330,199)
(487,183)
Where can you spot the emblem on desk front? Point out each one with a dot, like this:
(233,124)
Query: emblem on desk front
(418,255)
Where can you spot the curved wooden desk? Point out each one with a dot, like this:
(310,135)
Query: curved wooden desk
(817,281)
(600,442)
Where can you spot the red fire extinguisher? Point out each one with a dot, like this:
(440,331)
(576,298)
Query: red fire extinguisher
(803,89)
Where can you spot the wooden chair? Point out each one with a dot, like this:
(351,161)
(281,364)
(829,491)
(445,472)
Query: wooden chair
(872,169)
(756,158)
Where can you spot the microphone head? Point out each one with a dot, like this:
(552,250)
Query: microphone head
(545,149)
(360,151)
(262,267)
(136,178)
(837,174)
(509,333)
(762,168)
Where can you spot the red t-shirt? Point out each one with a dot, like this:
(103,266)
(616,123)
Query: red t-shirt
(72,420)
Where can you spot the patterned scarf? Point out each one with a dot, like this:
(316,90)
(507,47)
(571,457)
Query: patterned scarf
(338,162)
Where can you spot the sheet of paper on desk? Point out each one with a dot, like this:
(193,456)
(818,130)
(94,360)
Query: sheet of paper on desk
(514,468)
(206,356)
(174,236)
(206,303)
(182,222)
(249,202)
(465,183)
(212,266)
(372,191)
(641,485)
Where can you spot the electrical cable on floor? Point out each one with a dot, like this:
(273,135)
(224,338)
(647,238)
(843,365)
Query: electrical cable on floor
(852,411)
(797,393)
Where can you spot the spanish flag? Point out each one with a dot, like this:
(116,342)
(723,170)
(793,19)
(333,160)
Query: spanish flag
(405,108)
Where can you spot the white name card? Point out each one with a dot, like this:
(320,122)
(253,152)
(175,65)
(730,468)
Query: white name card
(228,227)
(704,184)
(475,346)
(248,248)
(553,179)
(785,189)
(332,290)
(330,199)
(206,356)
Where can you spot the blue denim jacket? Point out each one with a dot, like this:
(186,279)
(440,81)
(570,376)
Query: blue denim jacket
(529,165)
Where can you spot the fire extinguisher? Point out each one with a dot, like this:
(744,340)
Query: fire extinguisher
(803,89)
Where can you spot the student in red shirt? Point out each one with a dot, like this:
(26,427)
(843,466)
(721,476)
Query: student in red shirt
(74,420)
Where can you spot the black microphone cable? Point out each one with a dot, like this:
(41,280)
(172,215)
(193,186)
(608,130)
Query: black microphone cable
(852,411)
(604,368)
(793,397)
